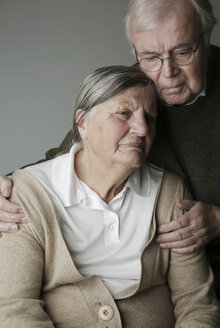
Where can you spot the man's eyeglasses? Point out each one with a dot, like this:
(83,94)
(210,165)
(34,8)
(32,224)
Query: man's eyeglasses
(180,58)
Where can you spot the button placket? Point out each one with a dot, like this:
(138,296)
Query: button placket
(112,228)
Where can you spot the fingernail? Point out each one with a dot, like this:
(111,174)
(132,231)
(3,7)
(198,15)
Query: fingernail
(24,220)
(7,192)
(163,245)
(157,239)
(13,227)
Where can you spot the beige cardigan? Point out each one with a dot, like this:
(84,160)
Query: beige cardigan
(41,287)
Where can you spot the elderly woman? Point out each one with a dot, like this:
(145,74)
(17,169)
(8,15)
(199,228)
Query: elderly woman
(88,256)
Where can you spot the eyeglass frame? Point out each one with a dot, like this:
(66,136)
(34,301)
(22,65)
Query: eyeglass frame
(170,57)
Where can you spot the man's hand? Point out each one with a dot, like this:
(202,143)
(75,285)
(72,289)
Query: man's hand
(192,230)
(10,214)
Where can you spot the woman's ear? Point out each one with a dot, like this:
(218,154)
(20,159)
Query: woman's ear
(80,122)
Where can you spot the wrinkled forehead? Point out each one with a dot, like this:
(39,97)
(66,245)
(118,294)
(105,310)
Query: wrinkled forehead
(138,96)
(175,30)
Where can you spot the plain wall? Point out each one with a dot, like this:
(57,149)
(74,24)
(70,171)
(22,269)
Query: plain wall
(47,47)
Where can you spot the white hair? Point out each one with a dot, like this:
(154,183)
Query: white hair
(145,14)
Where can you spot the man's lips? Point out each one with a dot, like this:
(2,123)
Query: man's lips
(173,89)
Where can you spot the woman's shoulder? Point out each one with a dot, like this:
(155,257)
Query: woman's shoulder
(44,171)
(169,179)
(27,184)
(173,185)
(34,200)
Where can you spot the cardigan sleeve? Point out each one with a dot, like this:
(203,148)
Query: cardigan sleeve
(190,280)
(21,275)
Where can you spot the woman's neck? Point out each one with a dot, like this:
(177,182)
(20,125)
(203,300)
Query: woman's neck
(107,180)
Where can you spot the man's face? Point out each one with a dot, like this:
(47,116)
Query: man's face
(179,31)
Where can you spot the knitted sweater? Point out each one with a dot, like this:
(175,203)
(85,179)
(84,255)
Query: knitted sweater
(188,143)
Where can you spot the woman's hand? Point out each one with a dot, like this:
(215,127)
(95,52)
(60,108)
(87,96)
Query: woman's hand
(10,214)
(193,230)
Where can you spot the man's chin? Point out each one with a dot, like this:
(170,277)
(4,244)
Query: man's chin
(175,99)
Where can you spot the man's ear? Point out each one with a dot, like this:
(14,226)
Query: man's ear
(80,122)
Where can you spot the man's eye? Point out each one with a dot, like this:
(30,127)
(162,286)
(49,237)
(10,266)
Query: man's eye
(183,53)
(151,59)
(123,115)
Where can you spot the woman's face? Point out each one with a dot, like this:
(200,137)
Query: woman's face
(121,130)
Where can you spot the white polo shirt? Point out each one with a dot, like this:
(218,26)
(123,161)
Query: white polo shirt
(103,239)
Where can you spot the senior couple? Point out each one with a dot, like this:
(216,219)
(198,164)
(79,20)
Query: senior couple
(90,255)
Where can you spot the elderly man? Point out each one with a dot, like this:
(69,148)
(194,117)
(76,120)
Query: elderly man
(171,40)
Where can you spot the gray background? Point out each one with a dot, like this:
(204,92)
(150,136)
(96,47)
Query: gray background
(47,47)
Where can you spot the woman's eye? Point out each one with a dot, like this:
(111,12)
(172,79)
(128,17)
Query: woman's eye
(124,115)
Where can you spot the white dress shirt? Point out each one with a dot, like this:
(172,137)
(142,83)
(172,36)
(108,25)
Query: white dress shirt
(103,239)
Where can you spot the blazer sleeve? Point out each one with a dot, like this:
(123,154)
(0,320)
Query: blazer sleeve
(21,277)
(190,280)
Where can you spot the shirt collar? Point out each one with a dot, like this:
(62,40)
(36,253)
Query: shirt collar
(64,178)
(140,181)
(67,187)
(201,94)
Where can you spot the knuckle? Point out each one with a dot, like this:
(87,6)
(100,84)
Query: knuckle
(194,247)
(2,201)
(5,182)
(4,226)
(187,242)
(180,235)
(184,221)
(9,217)
(8,227)
(180,224)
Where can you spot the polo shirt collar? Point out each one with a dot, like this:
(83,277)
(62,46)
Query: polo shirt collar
(140,181)
(64,178)
(67,186)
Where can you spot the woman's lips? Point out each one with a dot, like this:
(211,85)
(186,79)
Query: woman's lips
(133,145)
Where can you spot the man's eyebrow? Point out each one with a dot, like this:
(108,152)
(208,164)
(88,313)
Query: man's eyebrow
(146,52)
(180,45)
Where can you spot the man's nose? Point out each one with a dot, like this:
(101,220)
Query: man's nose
(139,126)
(168,69)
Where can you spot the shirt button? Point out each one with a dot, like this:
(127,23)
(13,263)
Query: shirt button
(112,215)
(106,312)
(112,227)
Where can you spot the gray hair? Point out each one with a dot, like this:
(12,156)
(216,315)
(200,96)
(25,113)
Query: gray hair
(147,13)
(103,84)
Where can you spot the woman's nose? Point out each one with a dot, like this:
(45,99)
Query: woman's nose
(139,126)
